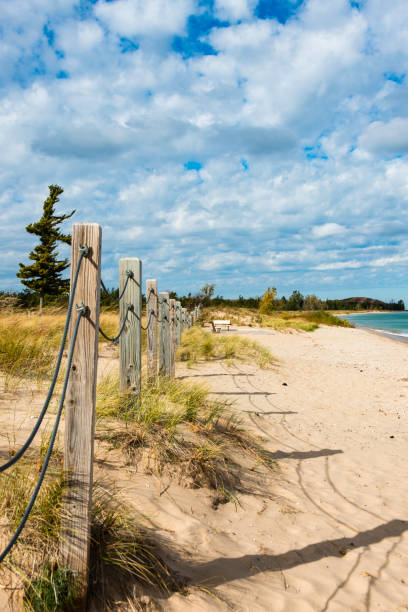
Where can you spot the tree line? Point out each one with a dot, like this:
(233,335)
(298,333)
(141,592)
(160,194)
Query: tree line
(44,283)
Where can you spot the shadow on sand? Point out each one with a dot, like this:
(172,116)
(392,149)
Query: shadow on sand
(224,569)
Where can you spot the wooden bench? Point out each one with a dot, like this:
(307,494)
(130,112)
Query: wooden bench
(219,324)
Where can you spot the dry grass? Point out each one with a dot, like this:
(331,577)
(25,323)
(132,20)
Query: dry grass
(124,552)
(197,344)
(29,342)
(177,430)
(280,321)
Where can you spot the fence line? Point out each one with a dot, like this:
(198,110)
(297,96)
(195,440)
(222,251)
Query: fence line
(165,322)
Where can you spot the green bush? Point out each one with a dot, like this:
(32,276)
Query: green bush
(326,318)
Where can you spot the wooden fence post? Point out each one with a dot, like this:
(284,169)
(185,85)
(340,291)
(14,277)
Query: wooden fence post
(178,323)
(164,334)
(130,342)
(183,319)
(172,310)
(152,316)
(80,410)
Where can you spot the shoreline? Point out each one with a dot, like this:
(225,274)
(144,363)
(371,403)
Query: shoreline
(384,334)
(392,335)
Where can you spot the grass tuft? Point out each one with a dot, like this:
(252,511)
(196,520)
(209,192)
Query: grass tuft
(326,318)
(198,344)
(175,429)
(29,342)
(124,553)
(281,321)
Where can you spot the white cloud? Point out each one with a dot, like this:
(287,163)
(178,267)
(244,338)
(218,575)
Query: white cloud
(138,17)
(233,10)
(389,138)
(328,229)
(339,265)
(79,37)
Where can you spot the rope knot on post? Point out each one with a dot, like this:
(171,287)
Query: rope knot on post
(85,250)
(82,309)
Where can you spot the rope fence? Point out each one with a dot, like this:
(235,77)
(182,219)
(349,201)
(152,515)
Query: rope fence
(166,321)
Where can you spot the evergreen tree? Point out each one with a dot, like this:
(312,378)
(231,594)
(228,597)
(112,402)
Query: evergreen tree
(44,275)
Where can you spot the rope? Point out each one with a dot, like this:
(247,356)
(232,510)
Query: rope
(165,318)
(151,292)
(83,253)
(81,312)
(129,274)
(128,307)
(151,313)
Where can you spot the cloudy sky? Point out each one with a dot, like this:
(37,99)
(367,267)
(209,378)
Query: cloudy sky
(243,142)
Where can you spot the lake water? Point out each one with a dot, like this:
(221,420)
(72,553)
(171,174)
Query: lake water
(393,323)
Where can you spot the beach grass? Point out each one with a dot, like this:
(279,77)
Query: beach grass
(280,320)
(197,344)
(325,318)
(29,342)
(176,429)
(124,551)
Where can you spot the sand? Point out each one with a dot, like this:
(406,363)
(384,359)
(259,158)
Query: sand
(333,535)
(328,529)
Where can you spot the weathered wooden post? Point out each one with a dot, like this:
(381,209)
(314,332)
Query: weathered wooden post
(130,342)
(80,410)
(183,319)
(172,310)
(178,323)
(151,320)
(164,334)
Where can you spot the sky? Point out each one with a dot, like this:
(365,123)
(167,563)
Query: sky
(247,143)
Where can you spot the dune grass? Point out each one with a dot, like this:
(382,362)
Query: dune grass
(177,430)
(281,321)
(325,318)
(124,552)
(29,342)
(197,344)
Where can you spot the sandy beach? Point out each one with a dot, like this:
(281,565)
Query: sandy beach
(328,528)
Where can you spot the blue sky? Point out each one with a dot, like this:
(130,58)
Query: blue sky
(242,142)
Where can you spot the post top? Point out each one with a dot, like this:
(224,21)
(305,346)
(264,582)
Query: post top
(86,225)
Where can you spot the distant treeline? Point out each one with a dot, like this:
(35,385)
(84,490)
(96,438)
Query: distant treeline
(266,303)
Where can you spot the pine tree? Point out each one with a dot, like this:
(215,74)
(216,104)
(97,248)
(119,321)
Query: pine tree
(44,275)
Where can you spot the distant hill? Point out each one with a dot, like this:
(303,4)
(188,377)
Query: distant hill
(365,303)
